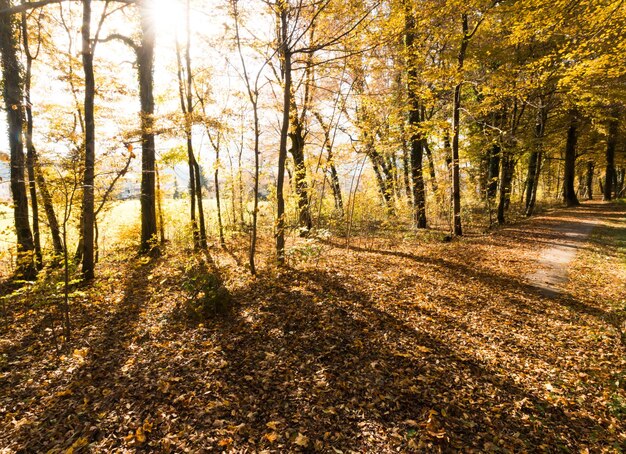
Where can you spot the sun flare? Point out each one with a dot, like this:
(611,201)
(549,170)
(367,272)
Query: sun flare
(168,17)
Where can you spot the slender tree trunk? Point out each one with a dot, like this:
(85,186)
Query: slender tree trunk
(569,193)
(382,175)
(534,163)
(431,166)
(53,222)
(30,147)
(253,95)
(531,179)
(502,187)
(406,168)
(198,181)
(285,52)
(190,156)
(217,192)
(35,174)
(196,166)
(302,190)
(159,196)
(609,175)
(88,179)
(415,137)
(493,169)
(12,92)
(456,128)
(508,180)
(334,177)
(240,188)
(619,184)
(145,63)
(30,154)
(255,209)
(589,180)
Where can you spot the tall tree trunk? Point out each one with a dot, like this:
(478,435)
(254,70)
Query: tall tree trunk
(532,181)
(302,190)
(456,128)
(159,197)
(502,186)
(569,193)
(534,163)
(90,144)
(30,147)
(253,95)
(53,223)
(431,166)
(217,191)
(406,168)
(34,170)
(531,178)
(196,166)
(415,137)
(191,160)
(508,180)
(145,63)
(589,180)
(611,143)
(285,53)
(12,92)
(619,183)
(255,209)
(493,170)
(334,177)
(382,175)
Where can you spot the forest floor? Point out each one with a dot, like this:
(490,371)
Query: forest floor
(394,345)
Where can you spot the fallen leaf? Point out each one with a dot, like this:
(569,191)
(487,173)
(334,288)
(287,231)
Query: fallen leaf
(302,440)
(271,437)
(140,435)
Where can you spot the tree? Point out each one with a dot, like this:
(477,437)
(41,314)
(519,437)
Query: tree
(144,53)
(13,100)
(186,103)
(87,214)
(415,137)
(611,143)
(569,193)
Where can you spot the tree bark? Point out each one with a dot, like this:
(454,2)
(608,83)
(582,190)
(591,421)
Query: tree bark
(159,195)
(456,117)
(285,53)
(30,147)
(12,93)
(196,166)
(334,176)
(534,163)
(302,190)
(569,193)
(589,180)
(502,186)
(431,166)
(145,63)
(415,137)
(35,174)
(46,197)
(88,178)
(492,172)
(609,175)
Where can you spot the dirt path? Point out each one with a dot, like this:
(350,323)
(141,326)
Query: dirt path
(554,260)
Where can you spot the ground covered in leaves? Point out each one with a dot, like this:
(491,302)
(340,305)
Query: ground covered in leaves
(398,344)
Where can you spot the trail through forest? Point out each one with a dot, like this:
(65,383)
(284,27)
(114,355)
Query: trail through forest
(555,259)
(397,344)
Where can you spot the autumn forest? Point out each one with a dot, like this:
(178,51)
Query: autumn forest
(313,226)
